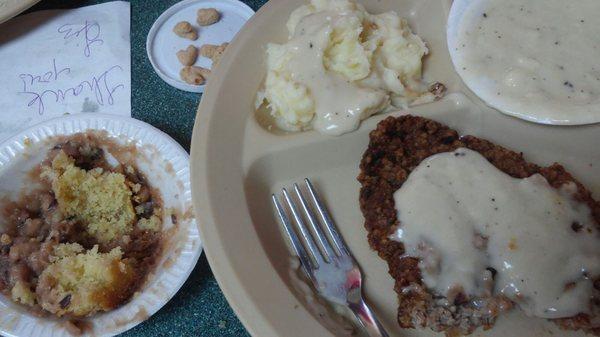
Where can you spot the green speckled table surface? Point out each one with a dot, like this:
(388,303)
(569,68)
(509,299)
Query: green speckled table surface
(199,308)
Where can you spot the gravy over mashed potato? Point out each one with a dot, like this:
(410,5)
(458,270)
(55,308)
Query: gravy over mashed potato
(340,66)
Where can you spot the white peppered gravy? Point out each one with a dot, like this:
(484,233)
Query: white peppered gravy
(537,60)
(466,220)
(341,105)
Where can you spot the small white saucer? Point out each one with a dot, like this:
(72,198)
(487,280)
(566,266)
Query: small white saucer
(162,44)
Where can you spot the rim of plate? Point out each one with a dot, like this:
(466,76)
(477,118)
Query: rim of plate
(165,282)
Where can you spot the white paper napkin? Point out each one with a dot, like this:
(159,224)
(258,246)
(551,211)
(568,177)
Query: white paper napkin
(64,61)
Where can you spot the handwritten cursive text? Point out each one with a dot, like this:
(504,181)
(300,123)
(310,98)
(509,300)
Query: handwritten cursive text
(52,86)
(89,31)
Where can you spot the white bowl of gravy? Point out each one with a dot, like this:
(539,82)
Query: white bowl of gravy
(535,60)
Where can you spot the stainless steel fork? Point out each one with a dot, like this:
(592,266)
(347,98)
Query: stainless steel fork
(324,256)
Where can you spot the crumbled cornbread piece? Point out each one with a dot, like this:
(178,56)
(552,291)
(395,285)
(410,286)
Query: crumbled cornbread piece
(64,250)
(101,200)
(207,16)
(82,284)
(152,224)
(21,293)
(185,30)
(140,209)
(136,188)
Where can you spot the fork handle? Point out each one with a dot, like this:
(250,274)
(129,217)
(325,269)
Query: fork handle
(368,320)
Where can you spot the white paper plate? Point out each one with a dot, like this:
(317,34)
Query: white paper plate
(166,165)
(162,44)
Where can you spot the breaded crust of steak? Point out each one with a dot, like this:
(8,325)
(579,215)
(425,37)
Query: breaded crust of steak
(396,147)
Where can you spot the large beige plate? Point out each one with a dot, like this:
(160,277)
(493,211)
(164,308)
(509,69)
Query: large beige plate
(10,8)
(237,164)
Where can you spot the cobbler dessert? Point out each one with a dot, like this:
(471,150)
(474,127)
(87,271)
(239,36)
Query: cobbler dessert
(85,239)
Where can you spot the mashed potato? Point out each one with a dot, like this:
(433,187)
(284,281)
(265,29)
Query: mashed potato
(340,66)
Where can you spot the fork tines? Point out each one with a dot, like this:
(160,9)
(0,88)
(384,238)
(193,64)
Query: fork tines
(318,243)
